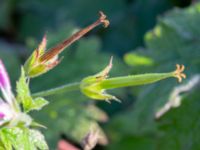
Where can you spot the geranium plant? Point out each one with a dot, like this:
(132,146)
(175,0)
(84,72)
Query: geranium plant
(18,129)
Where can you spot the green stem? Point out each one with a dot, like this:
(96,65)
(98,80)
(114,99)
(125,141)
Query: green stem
(58,90)
(134,80)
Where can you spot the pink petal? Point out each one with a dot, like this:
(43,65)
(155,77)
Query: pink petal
(6,113)
(4,78)
(2,115)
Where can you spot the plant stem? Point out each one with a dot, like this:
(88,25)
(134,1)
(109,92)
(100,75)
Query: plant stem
(58,90)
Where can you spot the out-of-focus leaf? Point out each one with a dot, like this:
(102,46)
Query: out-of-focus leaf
(73,119)
(134,59)
(129,19)
(175,98)
(133,142)
(179,127)
(175,39)
(167,47)
(38,12)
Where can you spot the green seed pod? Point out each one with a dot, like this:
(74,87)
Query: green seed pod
(42,61)
(95,86)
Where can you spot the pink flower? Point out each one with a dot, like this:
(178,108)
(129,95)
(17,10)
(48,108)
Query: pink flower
(2,115)
(4,78)
(6,112)
(6,106)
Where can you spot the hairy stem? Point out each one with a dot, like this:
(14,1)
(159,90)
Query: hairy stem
(65,88)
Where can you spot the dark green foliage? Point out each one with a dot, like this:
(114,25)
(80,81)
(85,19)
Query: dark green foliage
(175,39)
(129,19)
(179,128)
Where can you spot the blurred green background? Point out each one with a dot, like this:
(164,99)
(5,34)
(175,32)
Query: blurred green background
(144,36)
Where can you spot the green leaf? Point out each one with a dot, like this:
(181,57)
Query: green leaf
(39,103)
(179,127)
(24,96)
(38,139)
(23,93)
(4,136)
(22,139)
(135,59)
